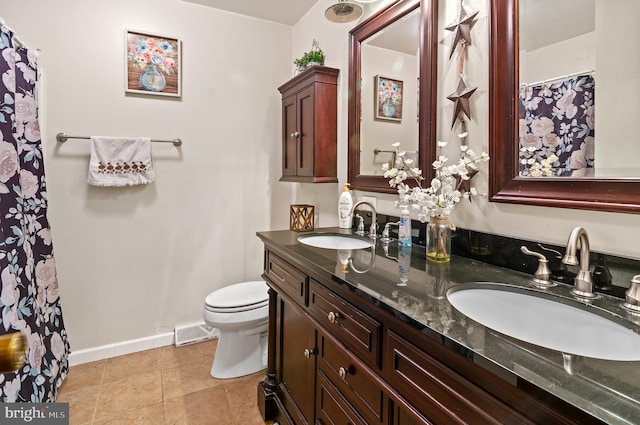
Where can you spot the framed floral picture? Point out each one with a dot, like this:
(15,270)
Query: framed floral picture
(388,100)
(153,64)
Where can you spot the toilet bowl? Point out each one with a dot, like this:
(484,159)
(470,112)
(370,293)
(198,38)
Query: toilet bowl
(241,313)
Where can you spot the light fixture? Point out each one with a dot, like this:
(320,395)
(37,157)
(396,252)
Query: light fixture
(343,11)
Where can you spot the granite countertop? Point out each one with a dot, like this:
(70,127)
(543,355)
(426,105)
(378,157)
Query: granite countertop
(605,389)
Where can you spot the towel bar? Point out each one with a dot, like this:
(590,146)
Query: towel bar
(61,138)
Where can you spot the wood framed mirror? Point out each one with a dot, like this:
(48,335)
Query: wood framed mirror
(420,89)
(505,183)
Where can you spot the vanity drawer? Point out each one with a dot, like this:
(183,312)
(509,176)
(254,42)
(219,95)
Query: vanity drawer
(332,408)
(356,330)
(441,395)
(355,384)
(287,277)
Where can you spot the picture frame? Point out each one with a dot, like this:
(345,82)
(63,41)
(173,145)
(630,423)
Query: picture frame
(153,64)
(388,98)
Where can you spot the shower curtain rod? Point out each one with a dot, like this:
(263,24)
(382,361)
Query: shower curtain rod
(61,138)
(560,78)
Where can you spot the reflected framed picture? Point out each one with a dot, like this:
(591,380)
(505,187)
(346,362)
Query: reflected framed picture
(388,99)
(153,64)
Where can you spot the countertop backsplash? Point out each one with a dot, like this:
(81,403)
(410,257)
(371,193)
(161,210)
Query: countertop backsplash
(505,252)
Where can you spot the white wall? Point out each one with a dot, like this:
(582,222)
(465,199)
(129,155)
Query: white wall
(134,262)
(382,134)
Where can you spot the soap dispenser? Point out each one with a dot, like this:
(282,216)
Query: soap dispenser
(345,203)
(404,228)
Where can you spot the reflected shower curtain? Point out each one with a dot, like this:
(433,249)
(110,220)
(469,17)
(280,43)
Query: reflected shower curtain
(29,300)
(558,119)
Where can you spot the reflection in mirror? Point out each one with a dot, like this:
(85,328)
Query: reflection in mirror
(383,90)
(521,53)
(559,58)
(390,67)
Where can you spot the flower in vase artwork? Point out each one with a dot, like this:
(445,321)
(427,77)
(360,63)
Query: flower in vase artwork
(153,64)
(389,94)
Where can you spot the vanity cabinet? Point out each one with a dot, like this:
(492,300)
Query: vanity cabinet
(336,356)
(309,126)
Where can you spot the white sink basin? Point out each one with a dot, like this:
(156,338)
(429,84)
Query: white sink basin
(334,241)
(537,318)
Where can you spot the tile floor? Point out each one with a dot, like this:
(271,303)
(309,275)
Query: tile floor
(164,386)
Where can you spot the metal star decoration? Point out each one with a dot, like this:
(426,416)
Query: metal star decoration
(460,99)
(461,28)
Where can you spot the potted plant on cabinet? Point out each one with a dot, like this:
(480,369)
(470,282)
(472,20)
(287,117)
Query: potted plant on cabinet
(314,57)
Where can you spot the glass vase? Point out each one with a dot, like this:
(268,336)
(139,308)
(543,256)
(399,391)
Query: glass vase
(152,79)
(439,239)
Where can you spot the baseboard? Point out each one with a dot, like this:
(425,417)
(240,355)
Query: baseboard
(120,348)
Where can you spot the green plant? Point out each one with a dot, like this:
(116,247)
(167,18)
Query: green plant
(315,55)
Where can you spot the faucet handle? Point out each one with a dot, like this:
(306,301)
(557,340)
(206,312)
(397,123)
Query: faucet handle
(542,275)
(385,233)
(360,230)
(632,298)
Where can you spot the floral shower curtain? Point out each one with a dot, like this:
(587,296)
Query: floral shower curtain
(29,300)
(558,120)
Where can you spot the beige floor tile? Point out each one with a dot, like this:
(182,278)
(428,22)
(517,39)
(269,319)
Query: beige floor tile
(82,403)
(242,396)
(137,391)
(186,379)
(148,415)
(202,352)
(205,407)
(128,365)
(84,375)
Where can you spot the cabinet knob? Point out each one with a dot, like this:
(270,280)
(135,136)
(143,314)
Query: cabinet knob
(308,352)
(343,372)
(333,317)
(295,135)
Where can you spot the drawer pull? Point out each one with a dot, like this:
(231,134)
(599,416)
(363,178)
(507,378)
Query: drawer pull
(343,372)
(333,317)
(308,352)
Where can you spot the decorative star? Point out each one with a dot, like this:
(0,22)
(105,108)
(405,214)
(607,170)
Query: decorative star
(461,28)
(460,99)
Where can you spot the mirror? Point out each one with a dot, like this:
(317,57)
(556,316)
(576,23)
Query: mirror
(602,192)
(392,75)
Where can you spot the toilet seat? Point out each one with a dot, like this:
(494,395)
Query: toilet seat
(238,297)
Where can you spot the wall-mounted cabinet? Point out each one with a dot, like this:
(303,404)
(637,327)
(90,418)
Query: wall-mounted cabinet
(310,126)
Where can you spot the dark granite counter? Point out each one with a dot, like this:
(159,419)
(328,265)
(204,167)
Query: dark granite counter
(415,291)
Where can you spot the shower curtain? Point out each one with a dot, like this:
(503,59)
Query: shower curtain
(558,119)
(29,300)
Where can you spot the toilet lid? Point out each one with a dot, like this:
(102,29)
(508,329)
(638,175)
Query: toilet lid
(246,294)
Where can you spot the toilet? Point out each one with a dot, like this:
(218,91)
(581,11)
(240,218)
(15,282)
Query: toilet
(241,313)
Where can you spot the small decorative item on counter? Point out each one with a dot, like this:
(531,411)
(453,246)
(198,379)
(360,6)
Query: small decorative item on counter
(436,201)
(301,218)
(439,239)
(314,57)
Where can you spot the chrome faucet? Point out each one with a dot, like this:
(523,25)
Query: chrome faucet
(582,284)
(374,219)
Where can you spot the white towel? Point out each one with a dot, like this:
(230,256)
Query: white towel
(120,161)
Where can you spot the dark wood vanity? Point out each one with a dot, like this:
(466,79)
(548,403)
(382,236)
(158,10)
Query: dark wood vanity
(340,354)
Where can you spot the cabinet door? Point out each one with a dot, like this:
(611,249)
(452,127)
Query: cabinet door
(297,364)
(290,136)
(306,128)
